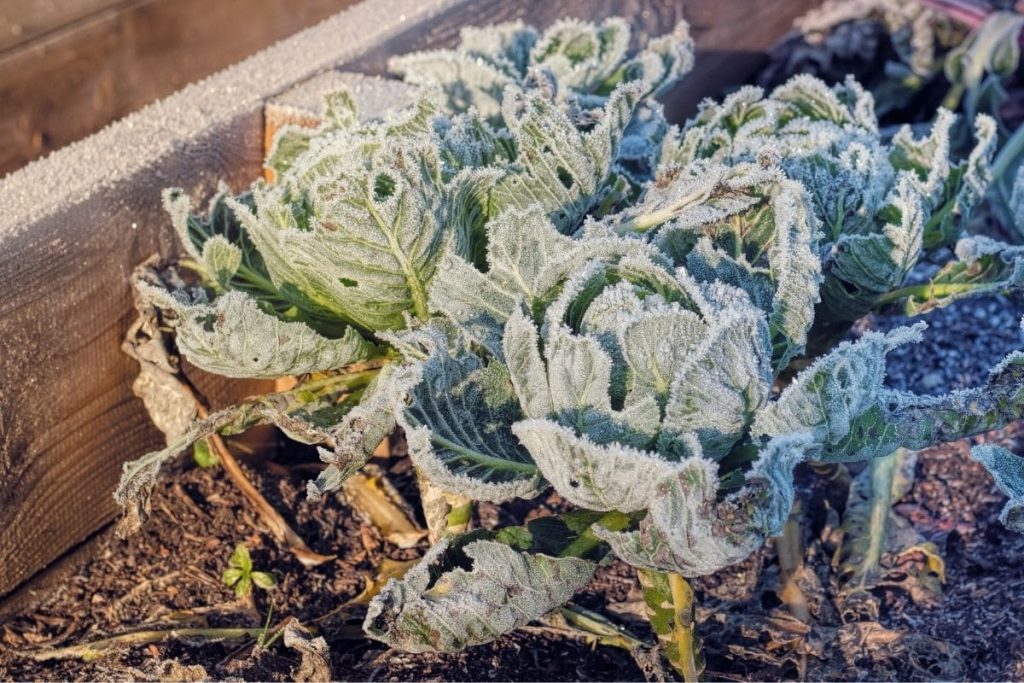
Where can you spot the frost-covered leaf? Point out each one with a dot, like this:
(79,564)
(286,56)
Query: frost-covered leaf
(982,265)
(827,398)
(355,228)
(688,530)
(1007,469)
(462,595)
(593,476)
(745,225)
(585,61)
(233,337)
(520,245)
(566,170)
(880,202)
(861,268)
(842,400)
(222,259)
(458,419)
(581,55)
(723,381)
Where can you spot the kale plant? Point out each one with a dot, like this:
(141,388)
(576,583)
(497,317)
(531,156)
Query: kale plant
(548,287)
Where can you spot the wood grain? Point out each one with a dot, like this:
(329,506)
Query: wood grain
(114,57)
(22,21)
(67,417)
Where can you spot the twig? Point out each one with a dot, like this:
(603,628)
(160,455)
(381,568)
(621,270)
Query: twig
(275,523)
(103,646)
(98,648)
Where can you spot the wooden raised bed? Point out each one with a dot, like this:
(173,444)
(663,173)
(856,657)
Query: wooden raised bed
(74,225)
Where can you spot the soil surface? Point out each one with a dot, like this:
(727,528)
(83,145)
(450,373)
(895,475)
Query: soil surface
(907,628)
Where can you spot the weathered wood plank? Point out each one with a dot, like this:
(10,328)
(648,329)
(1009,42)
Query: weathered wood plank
(22,21)
(71,82)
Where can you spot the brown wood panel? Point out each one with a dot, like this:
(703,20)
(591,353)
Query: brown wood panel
(73,81)
(22,21)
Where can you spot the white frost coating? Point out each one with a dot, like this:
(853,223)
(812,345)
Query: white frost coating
(721,384)
(520,245)
(231,336)
(502,590)
(1008,471)
(688,531)
(77,171)
(574,61)
(825,398)
(592,476)
(457,411)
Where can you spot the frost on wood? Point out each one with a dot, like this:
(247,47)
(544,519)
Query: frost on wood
(586,60)
(463,596)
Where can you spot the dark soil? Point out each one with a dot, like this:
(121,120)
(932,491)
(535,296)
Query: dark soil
(168,576)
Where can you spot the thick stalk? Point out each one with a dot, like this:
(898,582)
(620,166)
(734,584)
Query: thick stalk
(447,514)
(672,611)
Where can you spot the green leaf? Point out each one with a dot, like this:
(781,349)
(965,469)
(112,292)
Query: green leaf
(263,580)
(243,587)
(232,575)
(585,60)
(983,266)
(240,558)
(203,454)
(827,398)
(862,268)
(358,432)
(583,56)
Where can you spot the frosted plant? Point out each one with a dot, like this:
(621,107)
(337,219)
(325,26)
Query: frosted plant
(640,394)
(884,206)
(298,276)
(585,61)
(549,290)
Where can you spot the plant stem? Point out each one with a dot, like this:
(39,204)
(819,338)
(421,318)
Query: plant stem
(685,607)
(928,290)
(587,541)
